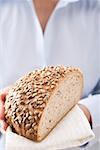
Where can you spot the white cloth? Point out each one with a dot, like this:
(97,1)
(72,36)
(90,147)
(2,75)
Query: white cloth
(74,130)
(72,37)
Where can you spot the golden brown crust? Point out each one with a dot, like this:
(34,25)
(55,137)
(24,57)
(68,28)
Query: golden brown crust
(28,97)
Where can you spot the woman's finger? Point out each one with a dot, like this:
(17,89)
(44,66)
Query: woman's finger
(3,124)
(3,93)
(2,110)
(2,97)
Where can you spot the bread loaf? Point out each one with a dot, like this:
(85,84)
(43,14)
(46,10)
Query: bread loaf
(40,99)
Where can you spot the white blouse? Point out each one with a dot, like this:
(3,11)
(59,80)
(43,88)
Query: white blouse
(71,38)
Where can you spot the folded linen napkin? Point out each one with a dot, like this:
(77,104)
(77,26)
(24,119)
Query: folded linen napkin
(73,130)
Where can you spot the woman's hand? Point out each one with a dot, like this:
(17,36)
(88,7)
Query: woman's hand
(86,112)
(3,94)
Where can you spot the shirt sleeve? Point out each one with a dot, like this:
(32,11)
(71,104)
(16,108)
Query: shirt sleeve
(93,104)
(96,90)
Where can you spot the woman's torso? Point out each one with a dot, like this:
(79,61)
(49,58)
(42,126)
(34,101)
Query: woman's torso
(71,38)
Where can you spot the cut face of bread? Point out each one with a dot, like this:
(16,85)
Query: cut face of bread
(39,100)
(61,101)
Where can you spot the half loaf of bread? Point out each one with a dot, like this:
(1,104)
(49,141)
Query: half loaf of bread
(39,100)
